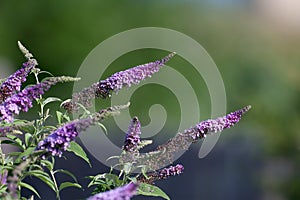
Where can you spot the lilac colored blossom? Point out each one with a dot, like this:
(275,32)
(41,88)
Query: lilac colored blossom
(60,139)
(216,125)
(161,174)
(130,76)
(125,192)
(164,154)
(115,82)
(132,138)
(13,83)
(22,101)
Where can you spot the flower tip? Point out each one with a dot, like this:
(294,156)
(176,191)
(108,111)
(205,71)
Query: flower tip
(171,55)
(167,58)
(246,108)
(23,49)
(135,118)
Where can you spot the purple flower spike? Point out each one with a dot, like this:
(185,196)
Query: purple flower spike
(121,193)
(171,171)
(13,82)
(23,100)
(129,77)
(132,138)
(115,82)
(216,125)
(161,174)
(60,139)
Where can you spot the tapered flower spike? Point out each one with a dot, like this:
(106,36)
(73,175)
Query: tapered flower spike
(59,140)
(13,83)
(216,125)
(129,77)
(132,138)
(164,154)
(117,81)
(125,192)
(22,101)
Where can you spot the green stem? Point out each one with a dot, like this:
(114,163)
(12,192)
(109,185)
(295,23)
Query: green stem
(55,184)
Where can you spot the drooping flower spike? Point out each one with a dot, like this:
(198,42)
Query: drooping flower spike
(216,125)
(132,138)
(117,81)
(165,153)
(125,192)
(22,101)
(59,140)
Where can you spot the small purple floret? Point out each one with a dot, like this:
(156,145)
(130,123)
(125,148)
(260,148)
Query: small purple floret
(121,193)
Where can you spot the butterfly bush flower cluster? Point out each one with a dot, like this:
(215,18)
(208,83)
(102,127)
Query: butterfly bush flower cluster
(164,154)
(132,138)
(13,83)
(216,125)
(23,100)
(43,141)
(162,174)
(121,193)
(115,82)
(60,139)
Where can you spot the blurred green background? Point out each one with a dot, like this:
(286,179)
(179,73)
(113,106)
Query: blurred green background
(255,44)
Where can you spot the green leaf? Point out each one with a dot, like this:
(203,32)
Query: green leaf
(47,164)
(17,132)
(107,180)
(28,128)
(78,151)
(12,142)
(50,99)
(17,140)
(25,153)
(29,187)
(151,190)
(28,136)
(68,184)
(66,172)
(61,116)
(43,176)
